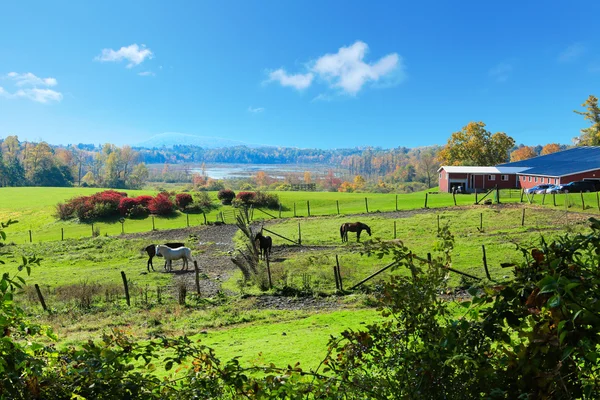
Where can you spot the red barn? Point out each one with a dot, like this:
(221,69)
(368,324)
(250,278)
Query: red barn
(575,164)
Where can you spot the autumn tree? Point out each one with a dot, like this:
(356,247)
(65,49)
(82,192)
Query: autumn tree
(307,177)
(261,178)
(522,153)
(427,164)
(590,136)
(474,145)
(550,148)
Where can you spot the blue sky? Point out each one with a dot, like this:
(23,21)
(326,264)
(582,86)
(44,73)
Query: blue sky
(296,73)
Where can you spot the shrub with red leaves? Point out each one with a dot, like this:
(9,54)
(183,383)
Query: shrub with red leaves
(183,200)
(246,197)
(144,200)
(161,204)
(126,204)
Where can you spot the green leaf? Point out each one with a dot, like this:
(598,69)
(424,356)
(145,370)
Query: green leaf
(554,301)
(169,365)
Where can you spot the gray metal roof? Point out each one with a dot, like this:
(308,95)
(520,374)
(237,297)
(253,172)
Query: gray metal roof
(566,162)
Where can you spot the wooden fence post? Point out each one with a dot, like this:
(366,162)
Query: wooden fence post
(197,271)
(598,200)
(30,236)
(187,219)
(299,234)
(92,229)
(126,287)
(454,197)
(62,233)
(337,204)
(543,197)
(367,205)
(476,197)
(425,206)
(523,218)
(396,202)
(554,200)
(335,276)
(438,221)
(480,221)
(269,271)
(294,209)
(39,293)
(522,193)
(487,273)
(582,201)
(337,263)
(497,195)
(394,229)
(308,207)
(153,228)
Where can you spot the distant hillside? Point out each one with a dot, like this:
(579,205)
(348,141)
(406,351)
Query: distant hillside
(170,139)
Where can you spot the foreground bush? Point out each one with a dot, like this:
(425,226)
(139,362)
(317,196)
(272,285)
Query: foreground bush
(226,196)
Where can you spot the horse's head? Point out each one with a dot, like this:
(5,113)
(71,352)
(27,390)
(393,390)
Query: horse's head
(157,251)
(368,229)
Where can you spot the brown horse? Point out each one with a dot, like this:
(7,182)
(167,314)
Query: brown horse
(357,227)
(151,250)
(265,244)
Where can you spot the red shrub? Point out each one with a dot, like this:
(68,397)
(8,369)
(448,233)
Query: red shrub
(144,200)
(126,204)
(183,199)
(161,204)
(246,197)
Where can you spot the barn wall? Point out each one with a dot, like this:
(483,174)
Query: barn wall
(579,177)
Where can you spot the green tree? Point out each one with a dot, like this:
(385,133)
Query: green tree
(474,145)
(590,136)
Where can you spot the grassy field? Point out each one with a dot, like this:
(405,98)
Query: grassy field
(233,325)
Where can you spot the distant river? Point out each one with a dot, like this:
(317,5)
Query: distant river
(279,171)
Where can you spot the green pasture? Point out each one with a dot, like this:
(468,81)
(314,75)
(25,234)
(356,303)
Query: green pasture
(34,208)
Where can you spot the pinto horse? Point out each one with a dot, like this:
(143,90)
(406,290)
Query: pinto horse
(265,244)
(151,251)
(174,254)
(357,227)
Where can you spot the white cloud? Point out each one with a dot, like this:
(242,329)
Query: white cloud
(347,70)
(29,79)
(146,73)
(39,95)
(501,72)
(132,53)
(297,81)
(571,53)
(27,85)
(256,110)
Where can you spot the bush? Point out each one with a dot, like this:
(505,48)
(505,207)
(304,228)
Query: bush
(138,211)
(64,211)
(161,204)
(126,204)
(267,200)
(144,200)
(183,200)
(246,197)
(226,196)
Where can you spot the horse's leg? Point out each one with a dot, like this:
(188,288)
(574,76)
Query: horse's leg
(358,235)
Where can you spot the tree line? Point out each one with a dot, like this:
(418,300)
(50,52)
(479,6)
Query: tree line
(42,164)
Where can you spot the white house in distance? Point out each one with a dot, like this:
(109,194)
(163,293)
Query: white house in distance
(575,164)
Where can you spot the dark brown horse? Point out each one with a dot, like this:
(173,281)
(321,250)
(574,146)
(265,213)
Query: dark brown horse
(265,244)
(151,250)
(357,227)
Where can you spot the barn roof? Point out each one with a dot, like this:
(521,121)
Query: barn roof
(566,162)
(458,169)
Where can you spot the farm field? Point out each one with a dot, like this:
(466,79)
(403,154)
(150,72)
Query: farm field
(237,319)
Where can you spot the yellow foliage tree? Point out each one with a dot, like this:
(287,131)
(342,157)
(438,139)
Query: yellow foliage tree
(522,153)
(346,187)
(261,178)
(307,177)
(473,145)
(550,148)
(359,182)
(590,136)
